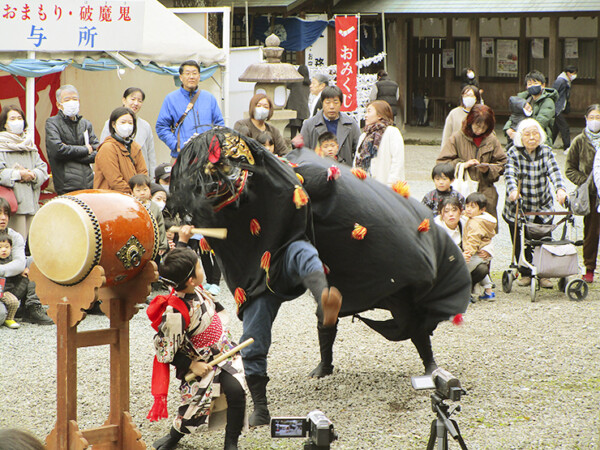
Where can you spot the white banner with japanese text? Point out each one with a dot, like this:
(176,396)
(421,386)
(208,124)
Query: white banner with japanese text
(346,35)
(68,25)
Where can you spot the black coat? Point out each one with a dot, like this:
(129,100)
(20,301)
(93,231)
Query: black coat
(68,156)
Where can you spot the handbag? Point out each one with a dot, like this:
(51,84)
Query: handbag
(462,181)
(9,195)
(579,199)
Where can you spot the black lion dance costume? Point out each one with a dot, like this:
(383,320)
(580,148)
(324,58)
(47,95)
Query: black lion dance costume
(304,223)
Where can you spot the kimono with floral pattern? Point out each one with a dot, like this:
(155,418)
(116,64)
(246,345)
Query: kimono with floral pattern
(177,345)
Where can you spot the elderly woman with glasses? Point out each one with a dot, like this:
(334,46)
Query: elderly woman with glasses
(531,162)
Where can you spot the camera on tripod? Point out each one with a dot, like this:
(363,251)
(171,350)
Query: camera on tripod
(447,387)
(316,426)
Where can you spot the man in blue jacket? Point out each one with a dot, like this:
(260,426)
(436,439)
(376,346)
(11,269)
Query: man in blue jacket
(187,110)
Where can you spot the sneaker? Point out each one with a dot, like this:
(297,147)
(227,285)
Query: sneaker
(588,277)
(489,297)
(214,289)
(524,281)
(37,314)
(11,324)
(546,283)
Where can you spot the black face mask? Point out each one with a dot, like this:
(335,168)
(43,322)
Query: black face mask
(536,89)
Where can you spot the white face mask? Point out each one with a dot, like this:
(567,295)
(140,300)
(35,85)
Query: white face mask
(165,187)
(15,126)
(124,129)
(469,102)
(261,113)
(593,125)
(527,112)
(161,205)
(573,77)
(470,75)
(71,108)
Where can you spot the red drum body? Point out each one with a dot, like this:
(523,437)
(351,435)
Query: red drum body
(72,233)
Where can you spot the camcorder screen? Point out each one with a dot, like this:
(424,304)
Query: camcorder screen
(288,427)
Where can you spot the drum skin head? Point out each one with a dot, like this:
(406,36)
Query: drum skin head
(62,242)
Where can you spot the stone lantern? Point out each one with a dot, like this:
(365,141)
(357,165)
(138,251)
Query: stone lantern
(271,77)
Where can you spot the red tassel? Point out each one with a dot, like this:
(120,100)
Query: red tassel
(159,409)
(239,296)
(333,173)
(300,198)
(265,261)
(424,226)
(204,246)
(326,269)
(300,177)
(359,173)
(401,187)
(458,319)
(359,232)
(254,227)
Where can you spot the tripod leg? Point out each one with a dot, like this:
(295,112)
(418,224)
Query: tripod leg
(432,435)
(458,437)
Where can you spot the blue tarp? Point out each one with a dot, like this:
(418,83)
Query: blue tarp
(295,34)
(37,68)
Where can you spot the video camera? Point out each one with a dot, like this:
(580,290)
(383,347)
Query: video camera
(446,385)
(316,426)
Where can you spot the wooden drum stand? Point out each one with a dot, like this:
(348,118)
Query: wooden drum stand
(66,309)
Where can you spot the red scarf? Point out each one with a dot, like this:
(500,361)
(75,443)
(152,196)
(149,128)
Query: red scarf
(160,371)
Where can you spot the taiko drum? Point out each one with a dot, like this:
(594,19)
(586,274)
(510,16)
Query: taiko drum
(72,233)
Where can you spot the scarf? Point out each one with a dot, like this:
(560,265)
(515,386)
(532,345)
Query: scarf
(160,371)
(127,143)
(370,144)
(10,142)
(594,138)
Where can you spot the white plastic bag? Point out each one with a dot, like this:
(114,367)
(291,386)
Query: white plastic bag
(463,182)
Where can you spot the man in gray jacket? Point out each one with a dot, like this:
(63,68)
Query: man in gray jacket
(71,144)
(331,119)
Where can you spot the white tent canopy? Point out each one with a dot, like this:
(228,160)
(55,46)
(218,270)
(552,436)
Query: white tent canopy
(166,40)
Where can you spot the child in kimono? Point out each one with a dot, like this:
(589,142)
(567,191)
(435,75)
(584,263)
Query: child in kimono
(190,334)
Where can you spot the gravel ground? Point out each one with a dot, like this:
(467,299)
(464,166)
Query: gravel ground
(531,370)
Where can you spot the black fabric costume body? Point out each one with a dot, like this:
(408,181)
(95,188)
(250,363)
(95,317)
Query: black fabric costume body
(415,275)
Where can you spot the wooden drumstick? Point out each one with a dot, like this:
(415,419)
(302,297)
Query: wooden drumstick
(190,376)
(217,233)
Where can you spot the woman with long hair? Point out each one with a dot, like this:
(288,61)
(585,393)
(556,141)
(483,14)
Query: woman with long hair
(380,150)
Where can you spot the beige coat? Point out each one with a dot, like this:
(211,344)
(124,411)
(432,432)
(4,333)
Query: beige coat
(461,148)
(478,232)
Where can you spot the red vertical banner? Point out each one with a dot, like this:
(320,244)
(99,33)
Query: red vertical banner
(346,36)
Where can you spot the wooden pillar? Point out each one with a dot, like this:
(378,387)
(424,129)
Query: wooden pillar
(474,45)
(66,385)
(402,69)
(553,69)
(523,49)
(449,94)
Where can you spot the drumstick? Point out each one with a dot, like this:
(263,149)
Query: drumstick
(218,233)
(190,376)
